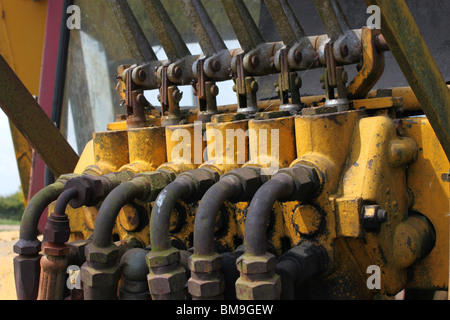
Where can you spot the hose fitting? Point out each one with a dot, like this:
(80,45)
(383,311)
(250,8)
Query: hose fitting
(28,247)
(298,265)
(100,273)
(207,281)
(167,278)
(134,272)
(258,279)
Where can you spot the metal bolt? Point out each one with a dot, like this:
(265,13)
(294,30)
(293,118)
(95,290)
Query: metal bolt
(177,72)
(298,56)
(255,61)
(373,216)
(216,65)
(344,50)
(142,75)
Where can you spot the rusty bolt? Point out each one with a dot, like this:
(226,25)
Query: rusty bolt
(216,65)
(162,258)
(177,72)
(344,50)
(298,56)
(168,282)
(214,90)
(203,179)
(255,61)
(250,179)
(107,255)
(142,75)
(250,265)
(205,264)
(262,289)
(56,250)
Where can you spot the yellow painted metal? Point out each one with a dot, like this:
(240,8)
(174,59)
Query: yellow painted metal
(372,67)
(265,147)
(22,48)
(227,145)
(146,149)
(430,196)
(110,152)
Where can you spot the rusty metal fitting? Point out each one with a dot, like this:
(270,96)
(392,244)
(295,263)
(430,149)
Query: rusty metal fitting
(57,229)
(55,249)
(106,256)
(202,180)
(251,265)
(52,278)
(157,181)
(164,258)
(306,181)
(258,280)
(250,179)
(168,282)
(99,284)
(206,281)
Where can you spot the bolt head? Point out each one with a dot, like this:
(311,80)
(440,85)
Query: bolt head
(99,278)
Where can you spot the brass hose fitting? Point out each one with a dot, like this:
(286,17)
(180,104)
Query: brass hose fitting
(207,281)
(167,278)
(100,273)
(256,266)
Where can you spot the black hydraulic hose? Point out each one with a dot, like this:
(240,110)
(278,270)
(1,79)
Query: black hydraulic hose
(110,209)
(162,209)
(298,265)
(205,218)
(63,200)
(281,186)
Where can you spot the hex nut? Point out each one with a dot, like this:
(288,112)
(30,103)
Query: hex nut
(168,282)
(268,289)
(108,255)
(206,288)
(158,181)
(250,264)
(203,179)
(250,179)
(55,250)
(99,278)
(84,191)
(164,258)
(205,264)
(27,247)
(305,179)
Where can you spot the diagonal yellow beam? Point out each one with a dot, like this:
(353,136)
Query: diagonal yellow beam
(418,65)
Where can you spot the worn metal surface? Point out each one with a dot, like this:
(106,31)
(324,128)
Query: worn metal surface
(23,110)
(418,65)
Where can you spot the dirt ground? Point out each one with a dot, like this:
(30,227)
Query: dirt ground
(8,237)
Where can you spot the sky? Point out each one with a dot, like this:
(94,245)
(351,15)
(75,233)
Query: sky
(9,172)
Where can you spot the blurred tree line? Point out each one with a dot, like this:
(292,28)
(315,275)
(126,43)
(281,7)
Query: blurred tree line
(12,206)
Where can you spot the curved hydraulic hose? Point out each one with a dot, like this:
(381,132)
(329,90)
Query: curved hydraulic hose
(27,263)
(279,187)
(297,183)
(110,209)
(162,209)
(167,277)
